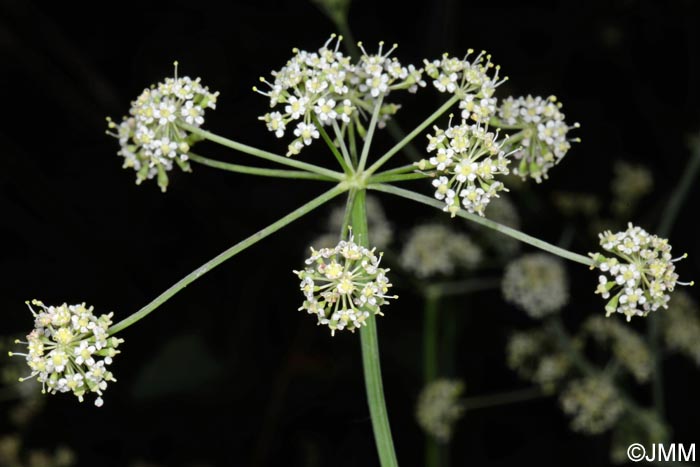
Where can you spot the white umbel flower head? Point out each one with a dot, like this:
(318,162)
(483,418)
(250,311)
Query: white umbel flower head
(343,285)
(542,141)
(432,249)
(439,408)
(593,403)
(537,283)
(467,159)
(70,349)
(640,275)
(325,88)
(151,138)
(470,79)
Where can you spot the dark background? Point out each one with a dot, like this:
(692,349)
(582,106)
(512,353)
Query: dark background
(228,372)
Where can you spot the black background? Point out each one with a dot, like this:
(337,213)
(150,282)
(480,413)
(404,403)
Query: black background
(253,381)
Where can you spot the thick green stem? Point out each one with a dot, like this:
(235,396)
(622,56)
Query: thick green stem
(245,169)
(487,223)
(370,355)
(262,154)
(217,260)
(665,226)
(409,137)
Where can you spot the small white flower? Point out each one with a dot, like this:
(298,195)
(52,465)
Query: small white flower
(306,132)
(325,109)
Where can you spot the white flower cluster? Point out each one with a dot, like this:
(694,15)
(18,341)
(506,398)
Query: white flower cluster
(467,159)
(343,285)
(151,137)
(628,347)
(325,87)
(432,249)
(469,79)
(535,357)
(439,408)
(69,350)
(542,137)
(537,283)
(593,403)
(641,280)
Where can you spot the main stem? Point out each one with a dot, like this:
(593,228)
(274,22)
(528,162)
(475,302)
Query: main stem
(217,260)
(370,353)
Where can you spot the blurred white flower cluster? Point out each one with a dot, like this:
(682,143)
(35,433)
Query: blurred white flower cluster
(537,283)
(535,356)
(681,326)
(627,345)
(593,403)
(439,408)
(151,138)
(432,249)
